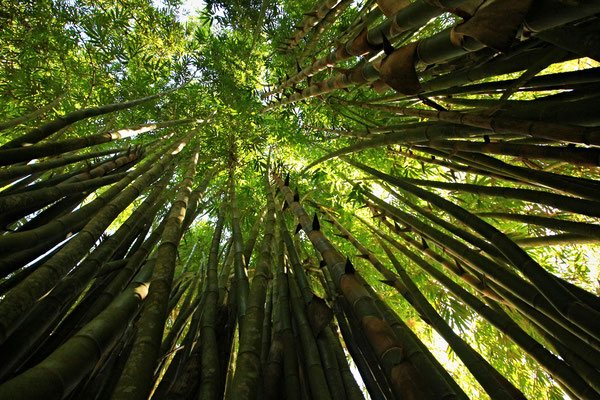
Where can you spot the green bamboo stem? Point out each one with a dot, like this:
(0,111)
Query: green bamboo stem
(209,381)
(42,197)
(138,372)
(316,373)
(494,272)
(416,352)
(580,228)
(62,225)
(374,386)
(586,188)
(462,233)
(450,165)
(84,170)
(248,371)
(575,156)
(474,281)
(563,239)
(251,240)
(571,204)
(63,295)
(408,136)
(327,336)
(322,26)
(488,286)
(353,392)
(532,128)
(268,330)
(240,285)
(390,278)
(273,346)
(411,17)
(31,115)
(319,11)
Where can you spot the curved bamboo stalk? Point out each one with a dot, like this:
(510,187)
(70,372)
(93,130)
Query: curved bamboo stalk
(9,174)
(31,115)
(491,380)
(546,285)
(550,362)
(409,136)
(580,228)
(63,121)
(575,156)
(537,129)
(18,154)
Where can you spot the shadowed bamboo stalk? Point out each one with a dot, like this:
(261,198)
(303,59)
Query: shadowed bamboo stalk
(499,277)
(47,195)
(58,301)
(575,156)
(209,381)
(408,136)
(240,286)
(462,233)
(139,369)
(248,368)
(474,281)
(251,240)
(327,335)
(63,225)
(537,129)
(315,369)
(290,360)
(281,366)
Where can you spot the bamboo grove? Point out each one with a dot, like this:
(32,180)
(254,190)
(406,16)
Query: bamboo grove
(384,200)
